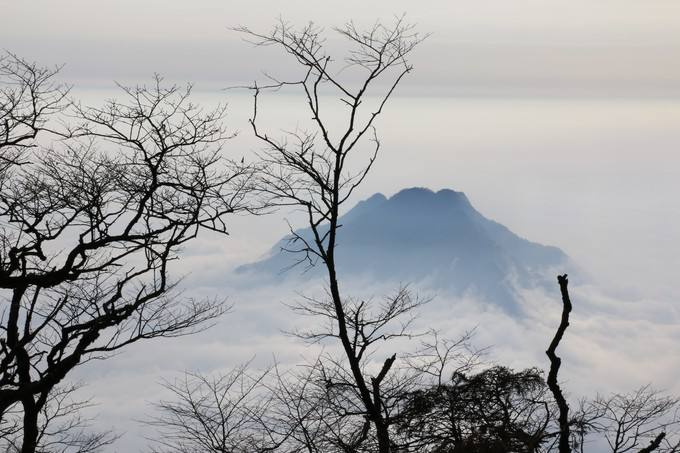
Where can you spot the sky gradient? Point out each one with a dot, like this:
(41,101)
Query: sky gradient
(559,48)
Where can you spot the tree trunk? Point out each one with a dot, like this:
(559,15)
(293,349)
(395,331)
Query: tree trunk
(30,426)
(555,363)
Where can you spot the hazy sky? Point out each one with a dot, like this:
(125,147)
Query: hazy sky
(559,119)
(559,47)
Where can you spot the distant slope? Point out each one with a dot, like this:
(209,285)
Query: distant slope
(437,239)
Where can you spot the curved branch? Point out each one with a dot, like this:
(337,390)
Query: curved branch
(555,363)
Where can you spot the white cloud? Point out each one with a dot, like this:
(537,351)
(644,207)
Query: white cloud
(612,344)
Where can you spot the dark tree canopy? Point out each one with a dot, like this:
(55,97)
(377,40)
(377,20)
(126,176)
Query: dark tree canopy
(492,411)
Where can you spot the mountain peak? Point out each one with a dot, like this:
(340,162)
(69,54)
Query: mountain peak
(377,197)
(423,194)
(419,235)
(452,195)
(412,192)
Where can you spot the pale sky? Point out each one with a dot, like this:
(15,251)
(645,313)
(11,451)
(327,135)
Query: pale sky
(520,47)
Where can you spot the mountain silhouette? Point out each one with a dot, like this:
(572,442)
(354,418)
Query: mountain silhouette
(435,239)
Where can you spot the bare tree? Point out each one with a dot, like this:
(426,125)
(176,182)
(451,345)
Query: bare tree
(222,414)
(246,411)
(90,223)
(29,97)
(300,409)
(555,363)
(368,323)
(314,415)
(318,170)
(62,427)
(625,420)
(643,420)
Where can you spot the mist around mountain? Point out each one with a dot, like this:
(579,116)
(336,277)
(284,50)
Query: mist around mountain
(433,239)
